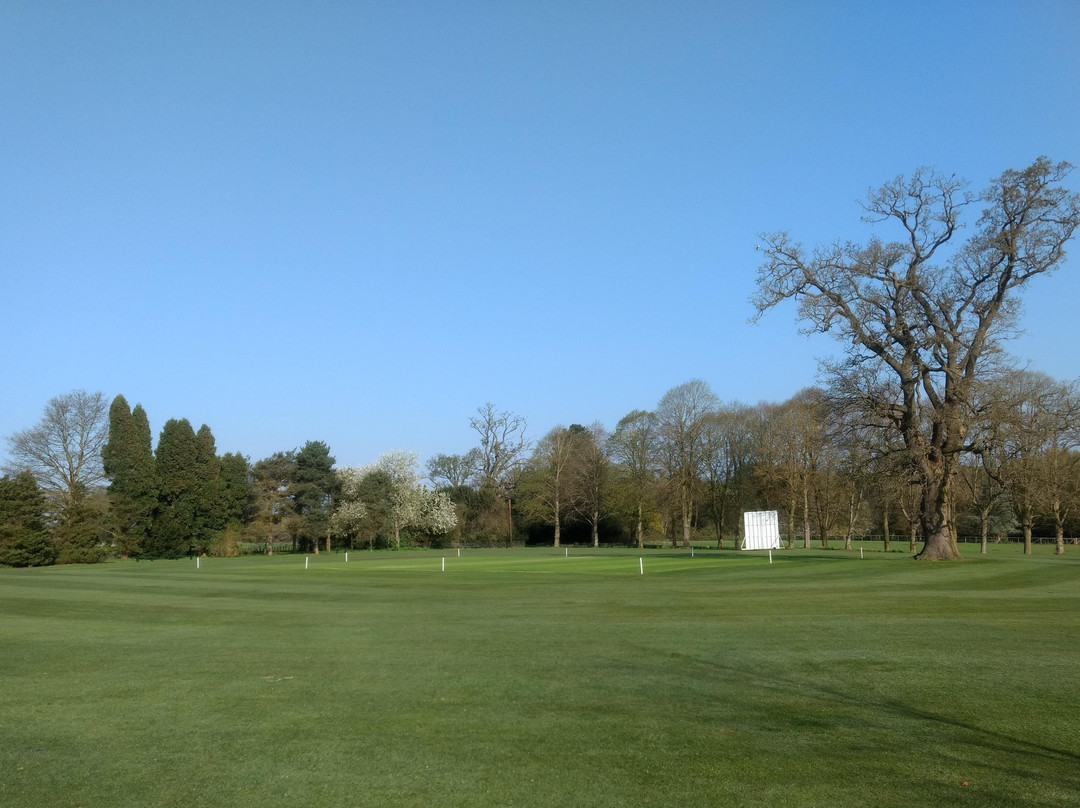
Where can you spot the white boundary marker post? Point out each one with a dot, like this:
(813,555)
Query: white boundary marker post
(770,555)
(641,565)
(346,557)
(196,562)
(459,552)
(444,564)
(567,552)
(860,553)
(305,562)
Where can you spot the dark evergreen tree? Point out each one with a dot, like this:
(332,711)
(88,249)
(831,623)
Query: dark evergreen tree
(210,503)
(237,494)
(80,533)
(272,478)
(377,528)
(128,461)
(24,542)
(312,493)
(178,475)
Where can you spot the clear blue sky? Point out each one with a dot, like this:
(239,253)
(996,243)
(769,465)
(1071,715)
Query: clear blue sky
(356,222)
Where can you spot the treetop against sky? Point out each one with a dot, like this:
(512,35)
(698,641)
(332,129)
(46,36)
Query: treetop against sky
(358,224)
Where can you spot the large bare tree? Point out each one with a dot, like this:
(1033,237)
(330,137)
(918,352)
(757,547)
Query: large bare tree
(63,451)
(551,461)
(503,447)
(921,314)
(634,447)
(502,444)
(590,474)
(680,418)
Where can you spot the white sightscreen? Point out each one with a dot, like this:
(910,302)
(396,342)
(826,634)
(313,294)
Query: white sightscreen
(761,530)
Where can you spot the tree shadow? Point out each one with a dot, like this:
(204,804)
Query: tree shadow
(1059,767)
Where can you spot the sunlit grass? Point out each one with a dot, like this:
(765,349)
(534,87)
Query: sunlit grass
(543,677)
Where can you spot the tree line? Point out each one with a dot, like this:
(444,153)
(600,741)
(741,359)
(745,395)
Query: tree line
(683,471)
(923,426)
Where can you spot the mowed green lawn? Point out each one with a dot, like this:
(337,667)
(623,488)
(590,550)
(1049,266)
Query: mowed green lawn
(524,677)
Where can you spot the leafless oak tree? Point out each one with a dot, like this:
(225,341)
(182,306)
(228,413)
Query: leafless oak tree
(680,417)
(920,314)
(502,443)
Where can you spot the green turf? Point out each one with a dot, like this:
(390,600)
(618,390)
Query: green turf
(524,677)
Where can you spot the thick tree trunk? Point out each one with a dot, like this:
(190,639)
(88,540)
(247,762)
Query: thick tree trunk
(885,525)
(558,524)
(596,528)
(939,543)
(1059,537)
(984,528)
(939,547)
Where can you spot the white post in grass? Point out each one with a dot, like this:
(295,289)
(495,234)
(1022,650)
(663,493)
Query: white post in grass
(567,552)
(641,565)
(860,553)
(346,558)
(305,562)
(444,564)
(196,562)
(691,551)
(459,552)
(770,555)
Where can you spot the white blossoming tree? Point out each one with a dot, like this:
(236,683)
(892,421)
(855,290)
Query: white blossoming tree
(411,504)
(349,514)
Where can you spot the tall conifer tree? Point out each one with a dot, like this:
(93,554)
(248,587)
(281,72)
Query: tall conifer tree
(312,492)
(236,488)
(210,503)
(177,471)
(128,462)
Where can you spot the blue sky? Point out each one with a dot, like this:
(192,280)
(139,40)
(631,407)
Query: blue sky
(357,222)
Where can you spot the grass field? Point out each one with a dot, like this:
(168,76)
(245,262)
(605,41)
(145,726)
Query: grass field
(528,678)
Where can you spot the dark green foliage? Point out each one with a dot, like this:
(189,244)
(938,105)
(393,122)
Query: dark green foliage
(24,541)
(128,461)
(312,493)
(377,529)
(177,463)
(79,536)
(237,494)
(210,516)
(271,479)
(483,517)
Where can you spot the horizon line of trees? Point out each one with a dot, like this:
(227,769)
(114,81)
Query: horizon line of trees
(685,470)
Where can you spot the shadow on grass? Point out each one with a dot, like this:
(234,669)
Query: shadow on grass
(1036,770)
